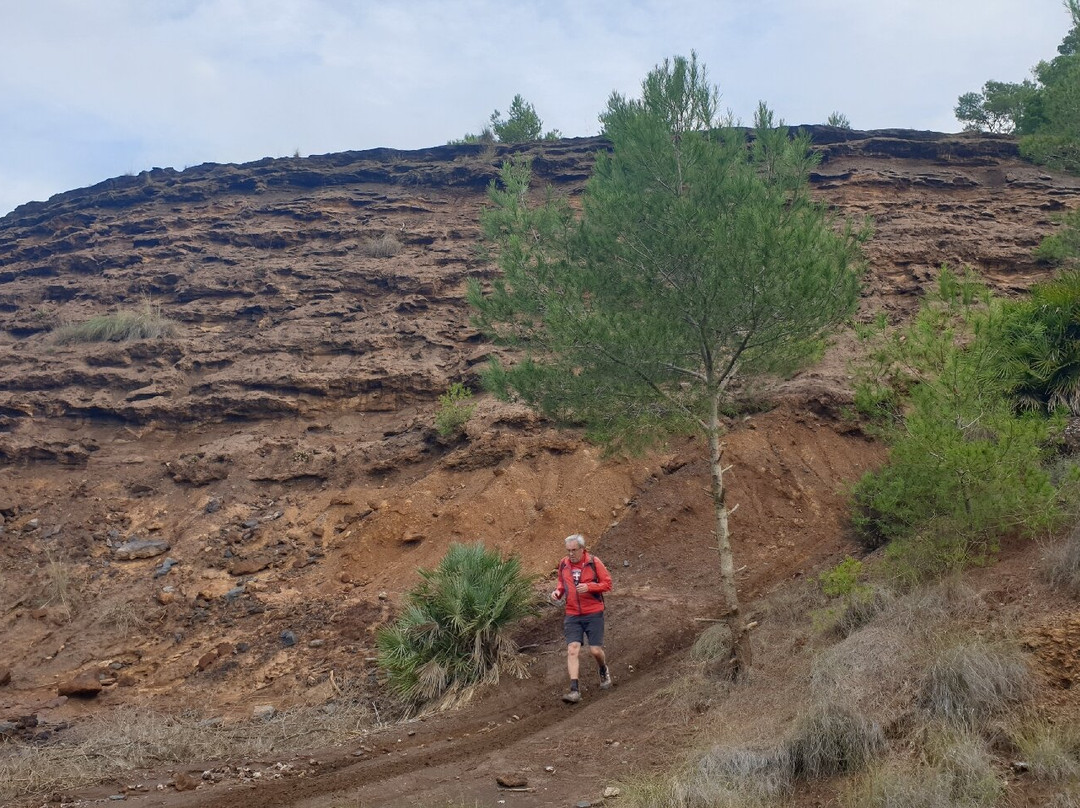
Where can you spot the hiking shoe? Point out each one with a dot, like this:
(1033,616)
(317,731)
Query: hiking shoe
(605,680)
(573,697)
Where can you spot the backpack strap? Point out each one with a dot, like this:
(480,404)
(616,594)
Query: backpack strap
(596,576)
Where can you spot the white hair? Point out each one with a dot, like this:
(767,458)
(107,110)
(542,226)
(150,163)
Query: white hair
(576,537)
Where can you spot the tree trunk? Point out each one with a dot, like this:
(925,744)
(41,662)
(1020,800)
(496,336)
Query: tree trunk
(738,665)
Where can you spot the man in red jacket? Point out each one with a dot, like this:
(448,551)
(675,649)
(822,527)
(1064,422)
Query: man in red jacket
(583,580)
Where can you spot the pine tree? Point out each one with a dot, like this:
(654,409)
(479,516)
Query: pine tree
(698,260)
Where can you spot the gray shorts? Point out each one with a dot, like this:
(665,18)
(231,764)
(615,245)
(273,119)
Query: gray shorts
(577,627)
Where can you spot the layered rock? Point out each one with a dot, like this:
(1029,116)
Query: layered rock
(290,301)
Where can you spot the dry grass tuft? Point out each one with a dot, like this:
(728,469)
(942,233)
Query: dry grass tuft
(110,744)
(1069,798)
(60,587)
(766,773)
(962,758)
(144,322)
(1052,753)
(712,644)
(385,246)
(1063,564)
(957,770)
(833,740)
(896,787)
(724,778)
(869,671)
(922,612)
(970,682)
(125,618)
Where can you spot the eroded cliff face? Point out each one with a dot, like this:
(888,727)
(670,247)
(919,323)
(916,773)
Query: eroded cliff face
(286,307)
(280,445)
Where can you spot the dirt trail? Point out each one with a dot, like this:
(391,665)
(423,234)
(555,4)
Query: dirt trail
(665,576)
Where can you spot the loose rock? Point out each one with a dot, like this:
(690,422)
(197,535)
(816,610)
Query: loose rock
(140,548)
(84,686)
(182,781)
(166,565)
(5,676)
(512,781)
(264,712)
(249,566)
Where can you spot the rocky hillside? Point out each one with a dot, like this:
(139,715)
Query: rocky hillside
(223,515)
(310,285)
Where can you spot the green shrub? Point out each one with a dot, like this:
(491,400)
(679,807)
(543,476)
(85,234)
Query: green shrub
(980,478)
(832,740)
(454,631)
(964,467)
(1062,246)
(1060,152)
(455,409)
(144,322)
(972,681)
(858,602)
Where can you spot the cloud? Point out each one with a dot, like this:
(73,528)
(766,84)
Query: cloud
(92,90)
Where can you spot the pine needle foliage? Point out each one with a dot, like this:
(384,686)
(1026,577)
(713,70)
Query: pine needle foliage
(454,632)
(965,468)
(698,261)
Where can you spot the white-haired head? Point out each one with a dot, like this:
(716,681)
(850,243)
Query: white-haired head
(575,538)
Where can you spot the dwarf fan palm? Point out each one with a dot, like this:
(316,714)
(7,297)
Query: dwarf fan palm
(453,634)
(1042,345)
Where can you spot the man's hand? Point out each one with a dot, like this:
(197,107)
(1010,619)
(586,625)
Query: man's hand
(555,595)
(582,589)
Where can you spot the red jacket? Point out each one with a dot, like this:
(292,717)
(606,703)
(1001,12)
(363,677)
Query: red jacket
(593,573)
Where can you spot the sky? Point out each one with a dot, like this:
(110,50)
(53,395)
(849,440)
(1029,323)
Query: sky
(93,89)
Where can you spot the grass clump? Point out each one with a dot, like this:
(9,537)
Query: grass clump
(1063,564)
(112,743)
(712,644)
(454,410)
(970,682)
(955,770)
(384,246)
(724,777)
(831,740)
(144,322)
(454,632)
(125,618)
(1052,753)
